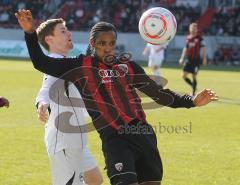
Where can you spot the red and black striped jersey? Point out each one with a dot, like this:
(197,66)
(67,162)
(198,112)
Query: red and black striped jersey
(193,45)
(109,92)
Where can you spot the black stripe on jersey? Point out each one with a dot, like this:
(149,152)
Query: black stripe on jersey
(133,91)
(93,111)
(107,99)
(124,100)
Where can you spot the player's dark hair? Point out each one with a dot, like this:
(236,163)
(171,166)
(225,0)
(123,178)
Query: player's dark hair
(46,28)
(96,29)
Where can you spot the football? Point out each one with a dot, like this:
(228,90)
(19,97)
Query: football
(157,26)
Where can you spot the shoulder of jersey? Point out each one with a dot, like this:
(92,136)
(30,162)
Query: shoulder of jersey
(189,37)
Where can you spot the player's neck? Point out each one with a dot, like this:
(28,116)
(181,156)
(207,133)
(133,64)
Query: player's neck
(194,35)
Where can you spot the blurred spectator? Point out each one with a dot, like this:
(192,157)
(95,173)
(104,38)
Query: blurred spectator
(9,7)
(218,56)
(124,14)
(235,58)
(226,22)
(229,55)
(4,17)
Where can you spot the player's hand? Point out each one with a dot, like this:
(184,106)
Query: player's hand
(205,62)
(25,20)
(4,102)
(181,61)
(42,112)
(204,97)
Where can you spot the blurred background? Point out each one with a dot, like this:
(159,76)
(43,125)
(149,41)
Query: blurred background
(209,155)
(219,22)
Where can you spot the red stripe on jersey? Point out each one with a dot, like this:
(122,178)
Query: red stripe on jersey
(193,46)
(93,87)
(121,98)
(135,102)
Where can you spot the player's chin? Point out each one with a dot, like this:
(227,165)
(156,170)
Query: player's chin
(70,45)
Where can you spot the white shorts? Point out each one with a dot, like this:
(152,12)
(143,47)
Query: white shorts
(154,62)
(69,164)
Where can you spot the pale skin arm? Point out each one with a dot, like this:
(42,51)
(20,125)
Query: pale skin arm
(42,111)
(181,60)
(146,51)
(25,20)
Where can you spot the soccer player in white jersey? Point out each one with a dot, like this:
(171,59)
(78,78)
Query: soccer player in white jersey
(70,159)
(155,57)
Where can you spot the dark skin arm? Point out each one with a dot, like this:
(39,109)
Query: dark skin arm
(167,97)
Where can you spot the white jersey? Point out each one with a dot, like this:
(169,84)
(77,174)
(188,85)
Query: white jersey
(57,139)
(156,54)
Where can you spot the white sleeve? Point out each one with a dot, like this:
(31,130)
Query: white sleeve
(165,46)
(43,94)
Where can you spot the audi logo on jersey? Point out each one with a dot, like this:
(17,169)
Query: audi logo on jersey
(119,71)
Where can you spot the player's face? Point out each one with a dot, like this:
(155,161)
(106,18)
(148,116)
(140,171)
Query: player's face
(104,44)
(193,29)
(61,40)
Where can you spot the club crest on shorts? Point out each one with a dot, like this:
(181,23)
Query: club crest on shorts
(119,166)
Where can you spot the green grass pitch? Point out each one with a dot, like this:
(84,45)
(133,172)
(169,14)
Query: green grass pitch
(206,154)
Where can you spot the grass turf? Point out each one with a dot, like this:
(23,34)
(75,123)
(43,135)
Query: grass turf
(206,154)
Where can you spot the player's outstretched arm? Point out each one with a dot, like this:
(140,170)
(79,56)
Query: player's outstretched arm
(25,20)
(168,98)
(181,60)
(146,50)
(164,97)
(204,97)
(41,61)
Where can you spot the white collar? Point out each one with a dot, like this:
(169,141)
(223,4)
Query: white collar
(56,55)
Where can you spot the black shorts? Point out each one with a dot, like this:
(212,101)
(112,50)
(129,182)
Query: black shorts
(192,66)
(133,157)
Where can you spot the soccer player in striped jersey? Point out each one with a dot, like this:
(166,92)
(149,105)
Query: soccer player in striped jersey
(107,86)
(191,51)
(70,159)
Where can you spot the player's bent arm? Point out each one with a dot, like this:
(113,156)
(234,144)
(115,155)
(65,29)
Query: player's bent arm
(204,55)
(46,64)
(162,96)
(42,103)
(183,55)
(43,94)
(146,50)
(42,97)
(42,111)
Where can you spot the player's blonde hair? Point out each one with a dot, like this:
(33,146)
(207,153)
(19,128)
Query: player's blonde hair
(47,28)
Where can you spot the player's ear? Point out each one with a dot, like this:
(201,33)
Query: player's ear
(48,39)
(91,42)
